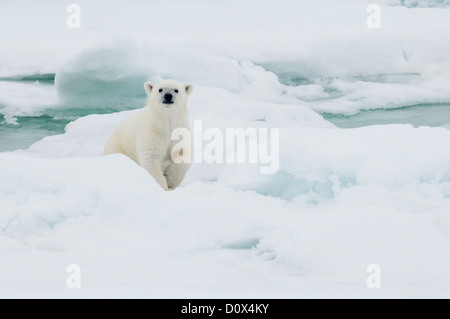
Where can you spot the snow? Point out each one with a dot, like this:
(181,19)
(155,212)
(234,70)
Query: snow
(343,199)
(109,216)
(374,195)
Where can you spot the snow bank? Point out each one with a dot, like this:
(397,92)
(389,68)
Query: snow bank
(86,136)
(115,73)
(342,200)
(381,196)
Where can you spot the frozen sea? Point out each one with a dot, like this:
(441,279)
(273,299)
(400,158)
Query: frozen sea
(364,162)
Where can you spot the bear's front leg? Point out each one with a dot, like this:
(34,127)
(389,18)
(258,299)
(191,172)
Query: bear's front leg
(175,174)
(153,166)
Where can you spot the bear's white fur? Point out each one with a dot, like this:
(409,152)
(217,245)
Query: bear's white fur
(146,136)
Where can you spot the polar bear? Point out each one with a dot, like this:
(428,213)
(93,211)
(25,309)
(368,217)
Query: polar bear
(145,137)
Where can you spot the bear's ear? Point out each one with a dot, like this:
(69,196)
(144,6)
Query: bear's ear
(188,88)
(148,87)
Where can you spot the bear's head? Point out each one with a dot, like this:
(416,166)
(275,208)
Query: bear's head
(168,94)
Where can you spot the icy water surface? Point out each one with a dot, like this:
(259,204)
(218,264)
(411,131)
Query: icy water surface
(21,131)
(28,130)
(416,115)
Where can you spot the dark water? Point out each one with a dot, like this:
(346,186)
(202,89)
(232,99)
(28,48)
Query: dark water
(78,96)
(417,115)
(28,130)
(45,78)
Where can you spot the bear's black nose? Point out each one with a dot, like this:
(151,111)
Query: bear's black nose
(168,97)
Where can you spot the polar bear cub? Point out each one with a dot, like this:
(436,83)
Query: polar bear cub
(146,136)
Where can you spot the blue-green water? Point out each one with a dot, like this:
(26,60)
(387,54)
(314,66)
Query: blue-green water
(22,131)
(124,93)
(29,129)
(47,78)
(416,115)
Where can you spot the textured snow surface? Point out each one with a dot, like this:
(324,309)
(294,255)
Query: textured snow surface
(342,199)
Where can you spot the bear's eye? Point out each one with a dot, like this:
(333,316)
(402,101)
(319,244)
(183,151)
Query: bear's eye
(160,90)
(176,90)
